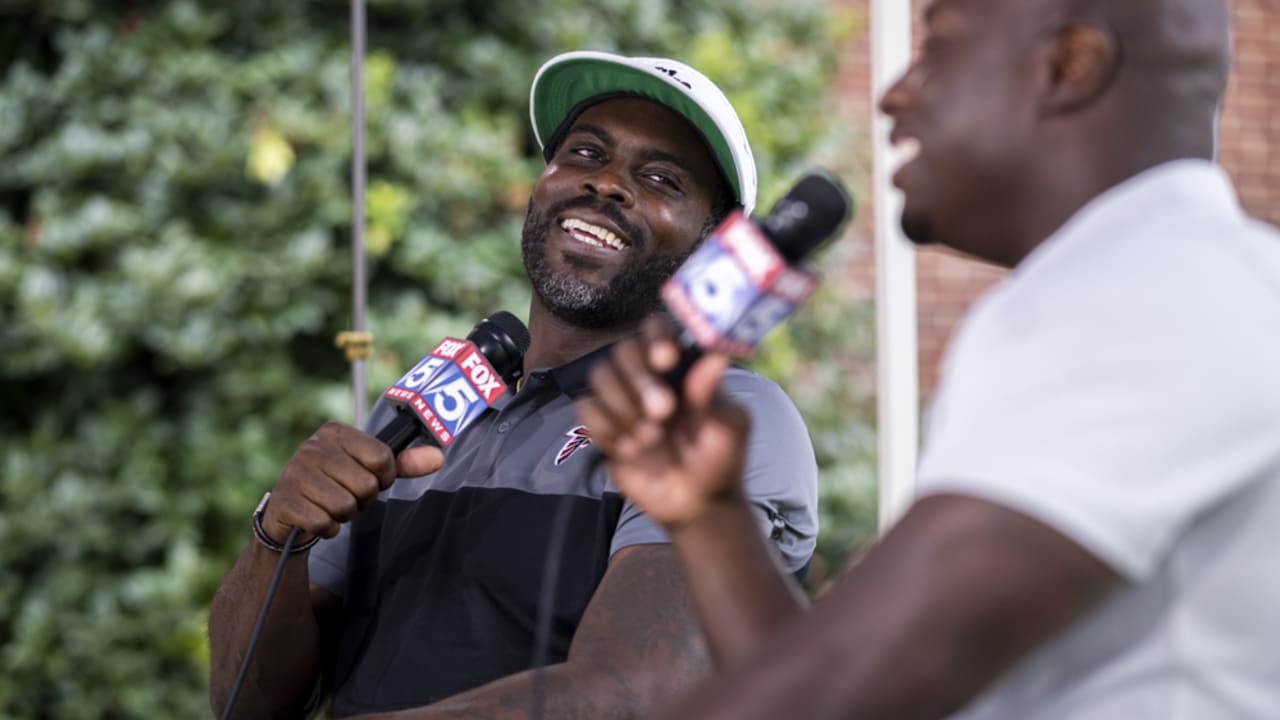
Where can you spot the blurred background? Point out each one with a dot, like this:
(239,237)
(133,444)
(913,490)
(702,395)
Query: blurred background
(175,262)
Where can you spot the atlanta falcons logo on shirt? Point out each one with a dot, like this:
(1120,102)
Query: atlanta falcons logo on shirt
(579,437)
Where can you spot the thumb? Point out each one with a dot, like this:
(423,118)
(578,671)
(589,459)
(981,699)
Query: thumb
(417,461)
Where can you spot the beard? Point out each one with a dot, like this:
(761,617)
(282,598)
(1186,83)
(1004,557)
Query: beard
(917,229)
(628,297)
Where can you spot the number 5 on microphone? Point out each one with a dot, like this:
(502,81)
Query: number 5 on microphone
(735,288)
(721,290)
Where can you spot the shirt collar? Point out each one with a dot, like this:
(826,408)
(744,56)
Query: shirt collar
(571,377)
(1177,186)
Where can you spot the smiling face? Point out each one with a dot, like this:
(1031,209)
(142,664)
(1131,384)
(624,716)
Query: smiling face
(622,202)
(965,122)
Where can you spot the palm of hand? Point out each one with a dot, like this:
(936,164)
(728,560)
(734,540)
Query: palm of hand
(688,466)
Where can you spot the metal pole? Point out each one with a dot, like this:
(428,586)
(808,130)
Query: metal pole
(357,204)
(896,361)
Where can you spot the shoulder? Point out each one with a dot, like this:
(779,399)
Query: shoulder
(1151,289)
(776,423)
(1138,360)
(1192,254)
(760,395)
(777,429)
(782,471)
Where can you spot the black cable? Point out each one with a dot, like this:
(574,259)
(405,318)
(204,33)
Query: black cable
(262,619)
(546,602)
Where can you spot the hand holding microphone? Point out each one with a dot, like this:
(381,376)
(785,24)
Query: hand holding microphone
(340,470)
(676,453)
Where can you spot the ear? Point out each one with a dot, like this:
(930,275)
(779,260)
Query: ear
(1083,63)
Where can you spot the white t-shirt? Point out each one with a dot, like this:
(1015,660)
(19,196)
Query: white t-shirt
(1122,385)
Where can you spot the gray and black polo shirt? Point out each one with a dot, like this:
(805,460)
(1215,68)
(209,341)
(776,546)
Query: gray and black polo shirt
(440,578)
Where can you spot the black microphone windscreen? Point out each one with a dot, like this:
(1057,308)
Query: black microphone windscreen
(511,325)
(503,340)
(807,215)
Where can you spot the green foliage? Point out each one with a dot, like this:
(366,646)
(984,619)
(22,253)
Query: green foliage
(175,261)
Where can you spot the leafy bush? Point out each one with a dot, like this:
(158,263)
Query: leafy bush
(175,262)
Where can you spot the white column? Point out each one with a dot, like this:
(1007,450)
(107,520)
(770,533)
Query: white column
(896,361)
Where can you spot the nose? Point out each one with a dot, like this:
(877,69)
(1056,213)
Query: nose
(608,183)
(897,98)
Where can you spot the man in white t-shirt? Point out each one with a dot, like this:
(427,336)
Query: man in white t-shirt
(1098,520)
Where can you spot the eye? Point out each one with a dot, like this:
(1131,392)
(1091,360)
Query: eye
(590,152)
(936,44)
(662,179)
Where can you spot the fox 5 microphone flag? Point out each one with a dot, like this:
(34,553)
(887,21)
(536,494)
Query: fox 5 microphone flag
(449,388)
(736,288)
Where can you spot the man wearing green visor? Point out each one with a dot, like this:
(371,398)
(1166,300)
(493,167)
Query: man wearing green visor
(431,609)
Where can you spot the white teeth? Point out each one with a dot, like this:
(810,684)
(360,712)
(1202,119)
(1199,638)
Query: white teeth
(592,234)
(906,150)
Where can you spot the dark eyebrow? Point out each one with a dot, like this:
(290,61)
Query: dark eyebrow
(600,133)
(650,154)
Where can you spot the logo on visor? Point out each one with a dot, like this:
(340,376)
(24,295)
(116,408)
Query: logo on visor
(672,74)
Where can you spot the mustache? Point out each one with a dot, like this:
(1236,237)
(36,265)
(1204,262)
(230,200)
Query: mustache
(633,233)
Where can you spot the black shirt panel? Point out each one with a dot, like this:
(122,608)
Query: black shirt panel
(471,584)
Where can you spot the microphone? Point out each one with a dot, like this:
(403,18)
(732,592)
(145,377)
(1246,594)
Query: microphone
(740,283)
(456,382)
(745,278)
(445,391)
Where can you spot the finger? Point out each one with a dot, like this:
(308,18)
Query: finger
(648,395)
(611,437)
(350,474)
(313,519)
(321,480)
(604,429)
(416,461)
(282,515)
(346,492)
(645,437)
(613,389)
(289,509)
(369,452)
(702,381)
(662,353)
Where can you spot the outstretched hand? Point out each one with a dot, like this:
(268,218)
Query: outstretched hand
(674,457)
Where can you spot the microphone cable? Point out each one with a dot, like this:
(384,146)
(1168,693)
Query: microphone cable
(262,620)
(807,216)
(547,599)
(502,340)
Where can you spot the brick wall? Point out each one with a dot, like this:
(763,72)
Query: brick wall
(948,283)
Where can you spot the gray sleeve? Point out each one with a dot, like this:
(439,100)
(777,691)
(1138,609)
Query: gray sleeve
(781,474)
(327,563)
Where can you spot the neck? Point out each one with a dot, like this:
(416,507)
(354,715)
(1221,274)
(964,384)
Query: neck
(1053,206)
(554,342)
(1099,162)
